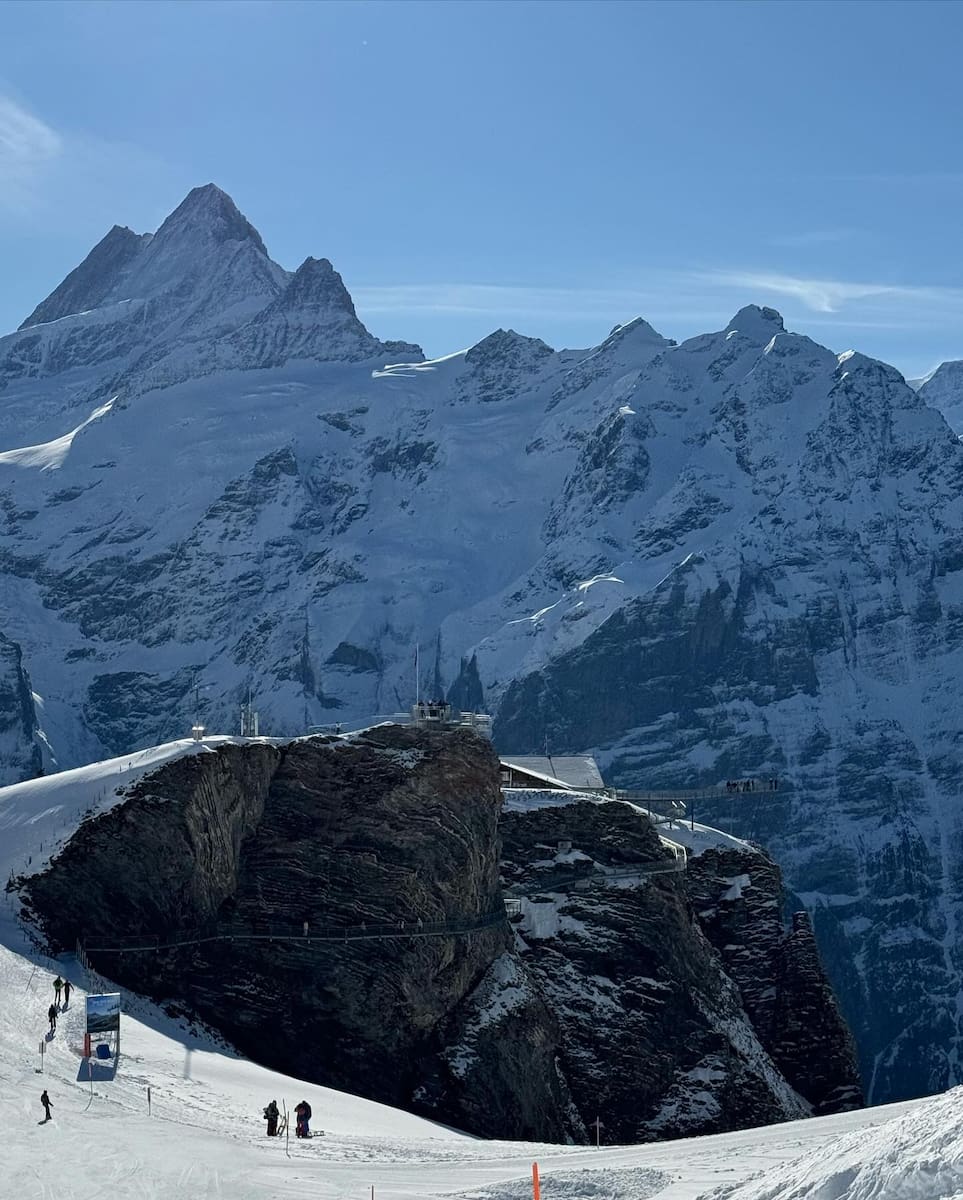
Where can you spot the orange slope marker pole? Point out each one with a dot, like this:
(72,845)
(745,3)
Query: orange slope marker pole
(536,1186)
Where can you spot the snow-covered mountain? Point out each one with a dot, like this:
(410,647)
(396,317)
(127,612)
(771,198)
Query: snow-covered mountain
(943,389)
(738,555)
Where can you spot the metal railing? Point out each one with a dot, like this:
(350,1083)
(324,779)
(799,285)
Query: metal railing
(322,934)
(567,883)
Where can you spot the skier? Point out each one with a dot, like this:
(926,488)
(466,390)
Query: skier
(52,1017)
(58,985)
(66,992)
(45,1101)
(303,1114)
(271,1114)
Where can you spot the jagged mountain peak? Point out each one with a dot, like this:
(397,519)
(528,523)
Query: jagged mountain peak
(639,331)
(759,324)
(316,284)
(208,213)
(90,283)
(506,345)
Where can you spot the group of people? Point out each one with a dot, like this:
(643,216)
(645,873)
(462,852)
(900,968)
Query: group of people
(302,1115)
(433,710)
(60,987)
(750,785)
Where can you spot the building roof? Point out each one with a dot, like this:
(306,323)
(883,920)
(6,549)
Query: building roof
(579,771)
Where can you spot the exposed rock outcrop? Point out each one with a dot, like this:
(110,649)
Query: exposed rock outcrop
(737,896)
(666,1033)
(20,752)
(334,907)
(395,828)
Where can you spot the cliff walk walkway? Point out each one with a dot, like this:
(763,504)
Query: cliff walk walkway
(574,881)
(310,934)
(665,807)
(364,932)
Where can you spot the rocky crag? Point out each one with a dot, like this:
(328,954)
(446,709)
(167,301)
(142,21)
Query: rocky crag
(22,745)
(334,906)
(678,992)
(392,829)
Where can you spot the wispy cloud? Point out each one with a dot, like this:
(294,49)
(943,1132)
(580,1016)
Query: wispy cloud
(491,298)
(66,179)
(687,295)
(829,295)
(28,147)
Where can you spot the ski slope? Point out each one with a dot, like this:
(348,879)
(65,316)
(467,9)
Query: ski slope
(204,1136)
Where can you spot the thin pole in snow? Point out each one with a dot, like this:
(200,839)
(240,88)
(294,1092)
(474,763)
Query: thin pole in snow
(536,1186)
(148,1100)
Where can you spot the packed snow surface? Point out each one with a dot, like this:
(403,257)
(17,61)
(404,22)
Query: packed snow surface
(204,1136)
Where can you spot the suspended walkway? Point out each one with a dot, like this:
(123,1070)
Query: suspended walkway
(321,934)
(666,806)
(386,931)
(576,881)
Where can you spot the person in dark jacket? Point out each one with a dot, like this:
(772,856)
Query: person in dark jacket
(52,1017)
(271,1115)
(57,986)
(66,992)
(303,1114)
(45,1101)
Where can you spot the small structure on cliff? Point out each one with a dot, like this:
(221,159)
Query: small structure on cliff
(572,773)
(440,714)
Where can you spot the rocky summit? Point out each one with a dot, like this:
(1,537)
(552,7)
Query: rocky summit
(335,906)
(736,556)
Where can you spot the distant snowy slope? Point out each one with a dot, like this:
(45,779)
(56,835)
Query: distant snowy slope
(943,389)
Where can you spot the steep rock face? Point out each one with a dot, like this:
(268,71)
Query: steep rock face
(655,1038)
(738,898)
(313,318)
(90,284)
(20,750)
(813,1046)
(164,861)
(395,828)
(500,363)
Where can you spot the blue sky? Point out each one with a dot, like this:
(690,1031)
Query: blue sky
(553,167)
